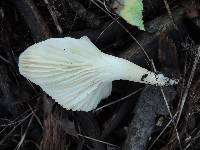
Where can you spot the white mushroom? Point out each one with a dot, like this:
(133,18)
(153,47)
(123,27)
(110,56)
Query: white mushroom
(76,74)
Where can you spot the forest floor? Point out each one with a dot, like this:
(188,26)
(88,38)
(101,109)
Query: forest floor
(135,116)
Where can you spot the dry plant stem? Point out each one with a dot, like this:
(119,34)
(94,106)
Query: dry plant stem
(13,122)
(167,68)
(171,116)
(70,28)
(36,117)
(119,100)
(171,120)
(104,31)
(185,94)
(13,129)
(99,141)
(168,108)
(53,15)
(5,60)
(170,14)
(104,34)
(25,133)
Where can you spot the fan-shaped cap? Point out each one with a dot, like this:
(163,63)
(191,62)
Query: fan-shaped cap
(76,73)
(67,70)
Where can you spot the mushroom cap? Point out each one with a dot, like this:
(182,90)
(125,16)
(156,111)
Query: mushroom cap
(69,70)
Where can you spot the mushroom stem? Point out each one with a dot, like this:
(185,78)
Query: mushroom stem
(127,70)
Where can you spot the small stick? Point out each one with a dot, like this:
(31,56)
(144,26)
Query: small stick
(170,14)
(185,94)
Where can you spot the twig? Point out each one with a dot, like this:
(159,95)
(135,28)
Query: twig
(149,105)
(125,29)
(168,108)
(75,17)
(171,116)
(88,125)
(170,14)
(119,100)
(171,121)
(5,60)
(13,122)
(104,31)
(96,140)
(36,117)
(24,135)
(185,94)
(53,15)
(118,117)
(3,140)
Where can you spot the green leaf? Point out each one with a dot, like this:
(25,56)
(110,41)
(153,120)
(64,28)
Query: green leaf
(132,12)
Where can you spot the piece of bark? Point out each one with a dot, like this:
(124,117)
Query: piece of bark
(150,104)
(54,137)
